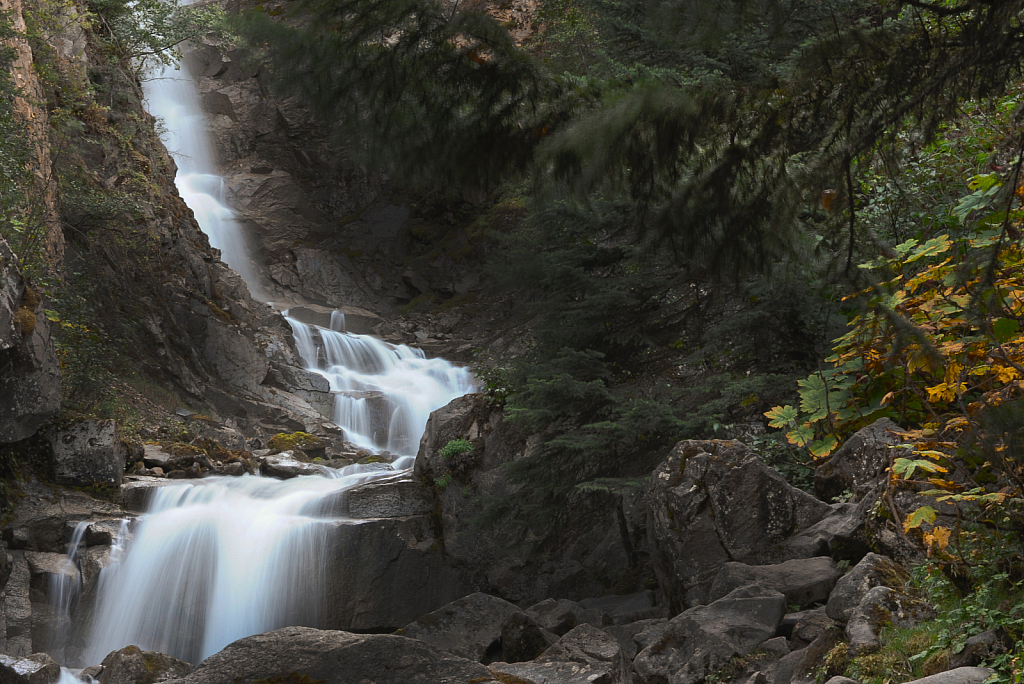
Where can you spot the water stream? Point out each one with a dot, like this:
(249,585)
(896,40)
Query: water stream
(217,559)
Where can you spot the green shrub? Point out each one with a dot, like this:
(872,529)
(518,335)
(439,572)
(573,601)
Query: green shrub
(456,447)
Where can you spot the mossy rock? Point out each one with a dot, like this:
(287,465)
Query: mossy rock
(289,441)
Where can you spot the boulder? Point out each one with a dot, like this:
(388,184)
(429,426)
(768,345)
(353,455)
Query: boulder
(839,535)
(284,466)
(303,654)
(132,665)
(523,639)
(858,463)
(881,606)
(961,675)
(557,617)
(978,649)
(37,668)
(43,517)
(583,655)
(627,634)
(137,491)
(470,627)
(700,640)
(805,626)
(872,571)
(598,545)
(89,452)
(803,581)
(30,381)
(712,502)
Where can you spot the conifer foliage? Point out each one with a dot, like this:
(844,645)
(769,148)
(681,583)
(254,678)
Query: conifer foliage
(670,146)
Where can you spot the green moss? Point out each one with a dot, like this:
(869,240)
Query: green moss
(285,441)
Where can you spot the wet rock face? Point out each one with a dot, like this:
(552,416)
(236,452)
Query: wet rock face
(29,371)
(713,502)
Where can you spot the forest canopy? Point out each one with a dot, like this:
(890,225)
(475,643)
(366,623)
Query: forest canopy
(703,178)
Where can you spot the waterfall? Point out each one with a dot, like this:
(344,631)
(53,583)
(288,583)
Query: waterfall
(218,559)
(171,95)
(215,560)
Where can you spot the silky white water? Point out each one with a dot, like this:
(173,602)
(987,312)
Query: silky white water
(171,96)
(217,559)
(384,393)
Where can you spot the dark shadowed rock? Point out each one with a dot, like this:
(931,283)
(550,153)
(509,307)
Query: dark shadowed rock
(804,627)
(301,654)
(405,556)
(858,464)
(469,627)
(37,668)
(583,655)
(554,616)
(30,381)
(132,665)
(712,502)
(978,649)
(872,571)
(700,640)
(624,609)
(803,581)
(523,639)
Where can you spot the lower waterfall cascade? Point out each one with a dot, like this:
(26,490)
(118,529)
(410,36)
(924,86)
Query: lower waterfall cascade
(221,558)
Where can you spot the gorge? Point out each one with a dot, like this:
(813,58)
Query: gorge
(240,440)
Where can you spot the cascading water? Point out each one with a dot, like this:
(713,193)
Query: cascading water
(384,393)
(218,559)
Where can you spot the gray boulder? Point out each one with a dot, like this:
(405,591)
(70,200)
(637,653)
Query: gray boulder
(872,571)
(858,463)
(700,640)
(627,635)
(803,581)
(523,639)
(961,675)
(302,654)
(285,466)
(88,453)
(881,606)
(132,665)
(37,668)
(712,502)
(557,617)
(584,655)
(469,627)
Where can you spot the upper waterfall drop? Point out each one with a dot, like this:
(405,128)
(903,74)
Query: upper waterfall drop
(172,97)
